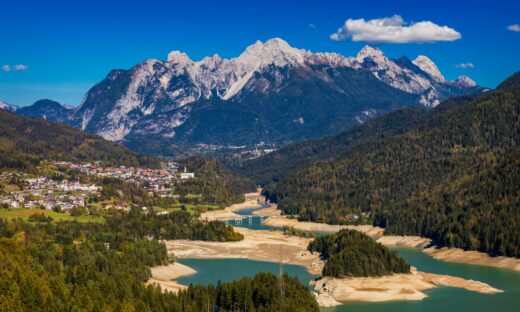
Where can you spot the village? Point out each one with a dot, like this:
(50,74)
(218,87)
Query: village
(29,191)
(45,193)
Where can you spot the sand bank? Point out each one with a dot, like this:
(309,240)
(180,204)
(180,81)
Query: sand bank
(473,257)
(220,215)
(404,241)
(165,276)
(271,246)
(392,287)
(251,203)
(253,200)
(281,221)
(272,210)
(443,254)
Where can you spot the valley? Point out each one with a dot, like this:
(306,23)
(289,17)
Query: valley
(260,157)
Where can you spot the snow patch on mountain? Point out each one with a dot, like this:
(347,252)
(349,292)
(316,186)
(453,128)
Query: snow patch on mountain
(8,107)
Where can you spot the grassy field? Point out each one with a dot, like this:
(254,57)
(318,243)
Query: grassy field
(24,214)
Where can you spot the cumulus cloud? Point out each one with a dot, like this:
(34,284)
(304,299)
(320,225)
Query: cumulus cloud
(311,25)
(393,30)
(514,27)
(465,65)
(17,67)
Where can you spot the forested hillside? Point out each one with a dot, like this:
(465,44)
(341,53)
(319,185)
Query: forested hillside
(213,183)
(278,164)
(70,266)
(25,141)
(454,177)
(350,253)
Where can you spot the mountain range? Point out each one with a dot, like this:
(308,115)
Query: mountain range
(271,93)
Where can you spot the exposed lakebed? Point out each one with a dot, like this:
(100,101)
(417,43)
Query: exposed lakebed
(439,299)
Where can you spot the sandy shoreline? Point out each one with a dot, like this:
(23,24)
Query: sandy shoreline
(271,246)
(404,241)
(165,276)
(282,221)
(272,210)
(443,254)
(252,200)
(473,257)
(275,246)
(331,291)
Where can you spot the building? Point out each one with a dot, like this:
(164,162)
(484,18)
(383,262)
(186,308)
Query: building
(187,175)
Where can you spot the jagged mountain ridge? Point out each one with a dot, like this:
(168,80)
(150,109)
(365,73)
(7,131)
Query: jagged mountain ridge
(231,101)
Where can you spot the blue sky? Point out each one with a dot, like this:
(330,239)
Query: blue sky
(70,46)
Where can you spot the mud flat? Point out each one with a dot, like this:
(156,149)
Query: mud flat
(271,246)
(331,291)
(473,257)
(165,276)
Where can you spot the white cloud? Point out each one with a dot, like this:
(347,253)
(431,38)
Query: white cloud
(311,25)
(514,27)
(17,67)
(393,30)
(20,67)
(465,65)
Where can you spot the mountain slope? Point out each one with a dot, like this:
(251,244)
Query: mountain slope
(276,165)
(271,93)
(213,183)
(46,109)
(26,141)
(453,178)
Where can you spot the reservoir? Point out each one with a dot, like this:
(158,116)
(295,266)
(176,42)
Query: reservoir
(444,299)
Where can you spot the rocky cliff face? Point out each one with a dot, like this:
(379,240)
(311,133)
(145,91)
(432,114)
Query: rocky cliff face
(271,93)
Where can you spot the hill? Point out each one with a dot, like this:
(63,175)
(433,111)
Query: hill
(24,142)
(452,176)
(213,183)
(353,254)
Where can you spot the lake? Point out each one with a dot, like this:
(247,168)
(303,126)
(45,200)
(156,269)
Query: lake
(443,299)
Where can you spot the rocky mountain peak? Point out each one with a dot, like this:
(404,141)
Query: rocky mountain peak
(428,66)
(274,51)
(373,53)
(179,58)
(465,81)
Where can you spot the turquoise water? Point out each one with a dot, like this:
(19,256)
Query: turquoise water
(210,271)
(447,299)
(443,299)
(253,223)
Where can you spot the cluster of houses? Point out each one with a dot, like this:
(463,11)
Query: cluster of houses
(42,192)
(156,181)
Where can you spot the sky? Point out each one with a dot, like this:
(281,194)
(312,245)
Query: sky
(60,49)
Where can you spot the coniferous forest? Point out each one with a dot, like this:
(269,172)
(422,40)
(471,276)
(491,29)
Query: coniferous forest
(453,176)
(350,253)
(213,183)
(70,266)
